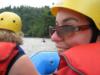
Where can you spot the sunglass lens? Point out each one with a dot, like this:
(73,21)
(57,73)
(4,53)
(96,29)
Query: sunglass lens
(65,30)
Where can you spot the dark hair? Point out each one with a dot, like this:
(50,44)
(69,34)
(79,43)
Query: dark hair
(95,31)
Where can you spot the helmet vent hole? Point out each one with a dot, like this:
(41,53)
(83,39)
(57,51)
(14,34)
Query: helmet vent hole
(1,18)
(14,21)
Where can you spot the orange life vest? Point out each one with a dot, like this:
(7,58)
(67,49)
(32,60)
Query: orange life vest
(81,60)
(7,52)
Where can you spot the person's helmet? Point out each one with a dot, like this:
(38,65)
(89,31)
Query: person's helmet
(90,8)
(10,21)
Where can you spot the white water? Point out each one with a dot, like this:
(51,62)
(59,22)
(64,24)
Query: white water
(34,45)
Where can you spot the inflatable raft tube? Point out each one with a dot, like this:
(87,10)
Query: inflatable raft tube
(45,62)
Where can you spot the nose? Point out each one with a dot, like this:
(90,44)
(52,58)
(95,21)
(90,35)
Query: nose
(55,37)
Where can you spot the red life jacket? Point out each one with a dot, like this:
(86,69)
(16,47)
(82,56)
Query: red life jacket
(7,53)
(81,60)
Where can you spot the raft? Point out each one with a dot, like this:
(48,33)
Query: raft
(45,62)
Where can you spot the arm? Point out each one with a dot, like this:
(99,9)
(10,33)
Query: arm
(23,66)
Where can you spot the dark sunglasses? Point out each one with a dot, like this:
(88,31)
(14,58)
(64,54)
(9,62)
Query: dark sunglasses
(67,29)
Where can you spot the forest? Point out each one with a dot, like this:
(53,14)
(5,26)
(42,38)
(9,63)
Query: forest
(36,21)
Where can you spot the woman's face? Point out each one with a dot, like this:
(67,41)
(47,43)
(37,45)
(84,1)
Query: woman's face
(70,39)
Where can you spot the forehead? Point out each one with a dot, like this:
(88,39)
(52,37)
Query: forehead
(68,13)
(63,14)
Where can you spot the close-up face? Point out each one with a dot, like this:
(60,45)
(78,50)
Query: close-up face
(71,29)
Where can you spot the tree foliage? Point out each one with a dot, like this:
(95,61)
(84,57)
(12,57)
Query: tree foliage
(36,21)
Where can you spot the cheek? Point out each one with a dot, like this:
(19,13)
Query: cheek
(78,39)
(82,38)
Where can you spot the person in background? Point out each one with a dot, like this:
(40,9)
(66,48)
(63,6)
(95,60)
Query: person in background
(13,60)
(76,35)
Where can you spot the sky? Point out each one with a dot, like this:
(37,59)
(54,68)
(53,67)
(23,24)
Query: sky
(32,3)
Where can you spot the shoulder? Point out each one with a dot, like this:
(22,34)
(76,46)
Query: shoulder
(23,66)
(86,48)
(84,58)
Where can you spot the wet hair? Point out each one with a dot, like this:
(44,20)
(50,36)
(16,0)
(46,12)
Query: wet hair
(95,31)
(8,36)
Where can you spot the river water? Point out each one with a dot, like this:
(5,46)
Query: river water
(34,45)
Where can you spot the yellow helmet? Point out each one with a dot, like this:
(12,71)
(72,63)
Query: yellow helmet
(10,21)
(90,8)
